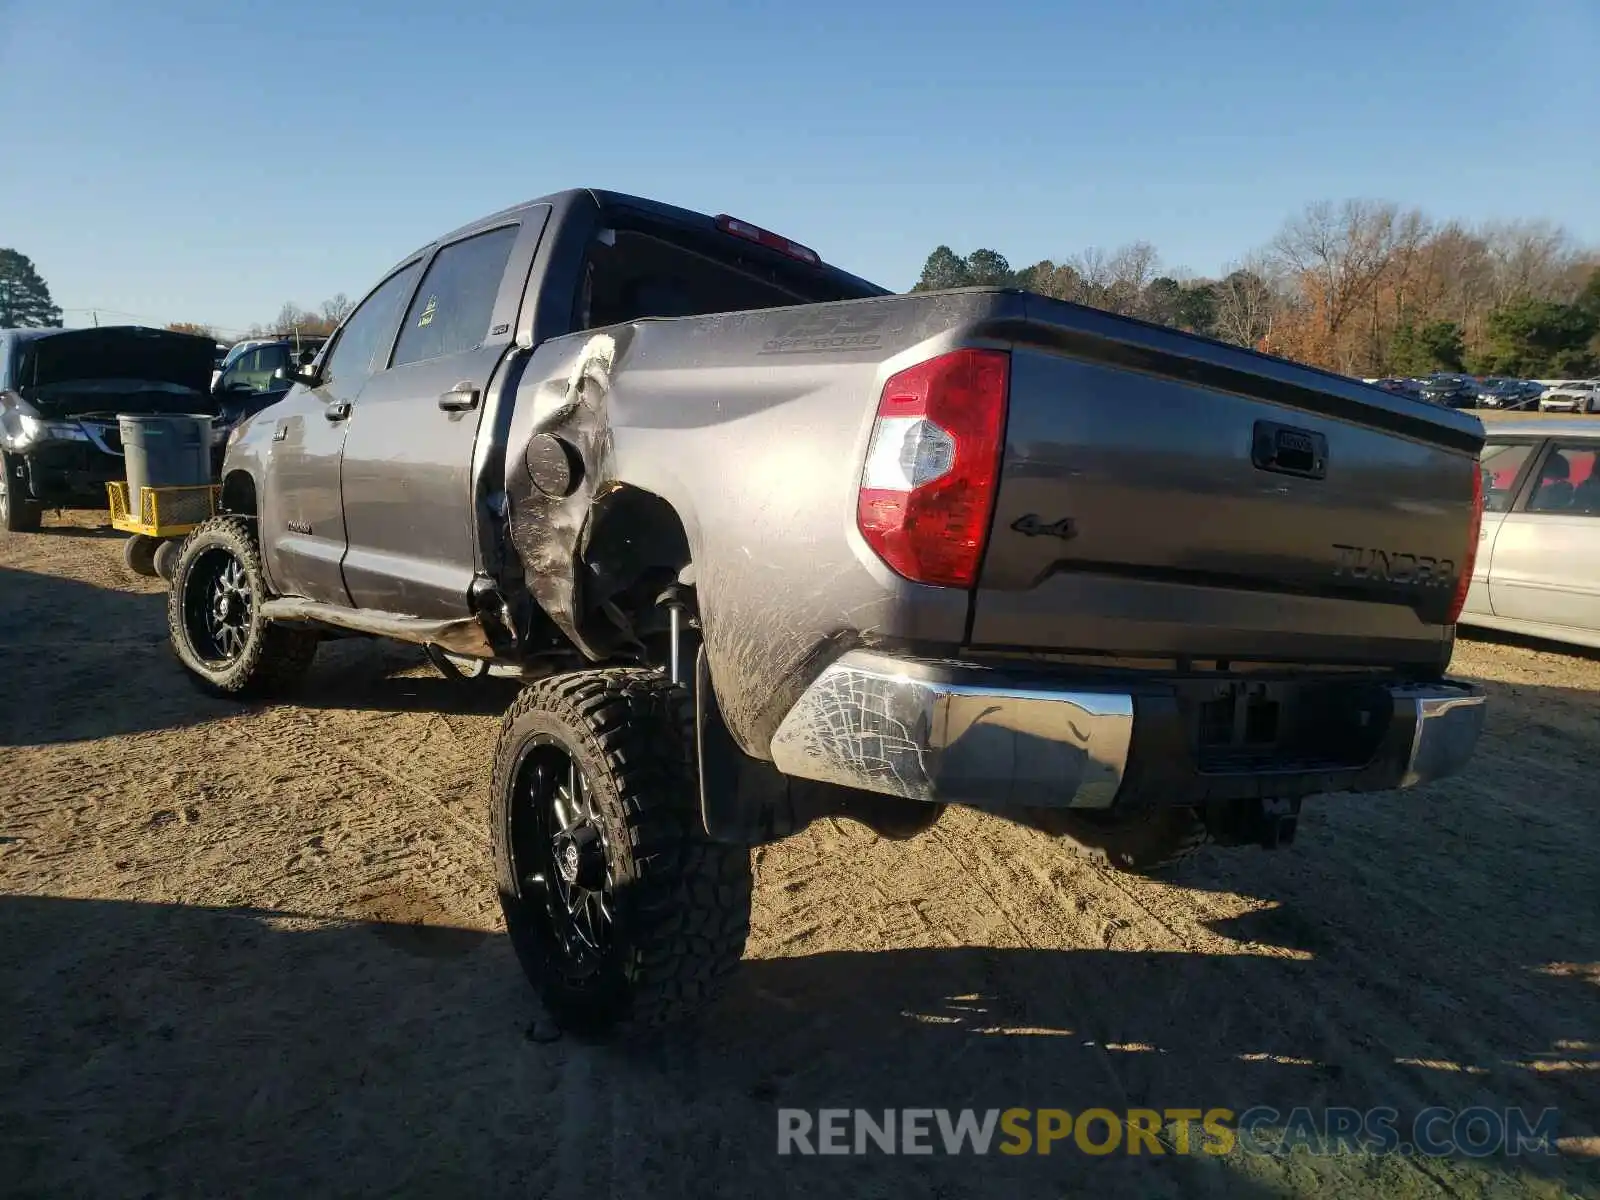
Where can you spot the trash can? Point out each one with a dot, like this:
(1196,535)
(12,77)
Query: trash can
(165,450)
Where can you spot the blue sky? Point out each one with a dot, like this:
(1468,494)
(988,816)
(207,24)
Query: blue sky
(209,160)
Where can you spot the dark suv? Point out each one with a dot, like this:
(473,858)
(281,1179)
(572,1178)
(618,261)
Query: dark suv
(61,391)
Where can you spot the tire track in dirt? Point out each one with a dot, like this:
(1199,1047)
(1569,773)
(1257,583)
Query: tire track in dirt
(1137,1076)
(1387,932)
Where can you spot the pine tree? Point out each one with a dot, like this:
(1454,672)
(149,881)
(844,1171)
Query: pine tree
(24,297)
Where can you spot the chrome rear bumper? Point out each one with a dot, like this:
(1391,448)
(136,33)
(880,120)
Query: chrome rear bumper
(950,732)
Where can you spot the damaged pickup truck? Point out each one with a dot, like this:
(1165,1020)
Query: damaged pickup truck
(767,543)
(61,391)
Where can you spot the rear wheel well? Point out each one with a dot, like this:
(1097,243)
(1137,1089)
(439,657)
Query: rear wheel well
(636,547)
(239,494)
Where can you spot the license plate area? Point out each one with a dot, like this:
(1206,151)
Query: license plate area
(1251,726)
(1286,450)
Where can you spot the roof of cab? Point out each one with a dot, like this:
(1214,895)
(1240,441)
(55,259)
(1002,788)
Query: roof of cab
(559,201)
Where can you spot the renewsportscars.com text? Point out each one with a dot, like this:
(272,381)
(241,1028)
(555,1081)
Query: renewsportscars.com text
(1436,1132)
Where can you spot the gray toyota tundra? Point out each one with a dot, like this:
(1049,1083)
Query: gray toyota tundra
(768,543)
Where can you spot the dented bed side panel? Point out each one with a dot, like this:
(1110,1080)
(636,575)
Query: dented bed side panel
(752,427)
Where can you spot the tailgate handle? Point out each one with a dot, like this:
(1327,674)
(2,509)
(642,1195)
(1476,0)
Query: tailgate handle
(1289,451)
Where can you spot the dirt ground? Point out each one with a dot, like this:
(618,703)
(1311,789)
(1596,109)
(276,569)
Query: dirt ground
(256,950)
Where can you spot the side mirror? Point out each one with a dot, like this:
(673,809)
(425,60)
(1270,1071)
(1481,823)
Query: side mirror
(302,372)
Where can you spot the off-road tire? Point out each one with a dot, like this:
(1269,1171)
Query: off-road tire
(139,554)
(682,901)
(18,514)
(1142,843)
(274,657)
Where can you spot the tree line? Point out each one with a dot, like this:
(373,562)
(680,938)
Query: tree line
(1364,288)
(292,319)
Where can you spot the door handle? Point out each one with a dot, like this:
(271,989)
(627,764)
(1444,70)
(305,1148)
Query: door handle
(460,398)
(337,412)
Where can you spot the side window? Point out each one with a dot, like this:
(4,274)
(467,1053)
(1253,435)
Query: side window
(273,358)
(452,308)
(1501,464)
(245,373)
(365,334)
(1568,481)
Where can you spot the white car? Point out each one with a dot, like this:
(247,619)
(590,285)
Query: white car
(1574,396)
(1538,566)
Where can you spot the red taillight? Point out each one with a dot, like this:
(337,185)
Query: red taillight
(928,487)
(765,237)
(1469,563)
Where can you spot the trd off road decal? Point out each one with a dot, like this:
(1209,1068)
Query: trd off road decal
(828,331)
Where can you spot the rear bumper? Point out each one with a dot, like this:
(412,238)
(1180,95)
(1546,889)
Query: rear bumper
(967,734)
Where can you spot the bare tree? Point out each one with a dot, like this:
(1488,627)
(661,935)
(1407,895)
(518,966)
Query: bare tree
(1246,301)
(1132,268)
(1115,281)
(1529,258)
(336,309)
(1093,270)
(291,317)
(1337,255)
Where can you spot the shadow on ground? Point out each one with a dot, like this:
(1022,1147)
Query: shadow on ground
(56,632)
(79,531)
(159,1049)
(1496,637)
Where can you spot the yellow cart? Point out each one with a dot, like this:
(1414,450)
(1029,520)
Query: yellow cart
(160,522)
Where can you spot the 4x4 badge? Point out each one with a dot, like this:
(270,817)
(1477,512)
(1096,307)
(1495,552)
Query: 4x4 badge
(1066,528)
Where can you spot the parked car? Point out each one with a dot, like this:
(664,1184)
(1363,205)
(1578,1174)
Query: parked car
(1401,387)
(1452,391)
(1538,565)
(254,378)
(1509,394)
(769,543)
(60,393)
(1573,396)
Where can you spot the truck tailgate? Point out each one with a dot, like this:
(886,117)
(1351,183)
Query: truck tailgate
(1167,495)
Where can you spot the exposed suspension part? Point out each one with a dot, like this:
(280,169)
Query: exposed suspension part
(677,600)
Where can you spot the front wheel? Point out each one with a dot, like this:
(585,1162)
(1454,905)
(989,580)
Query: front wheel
(214,616)
(620,909)
(18,512)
